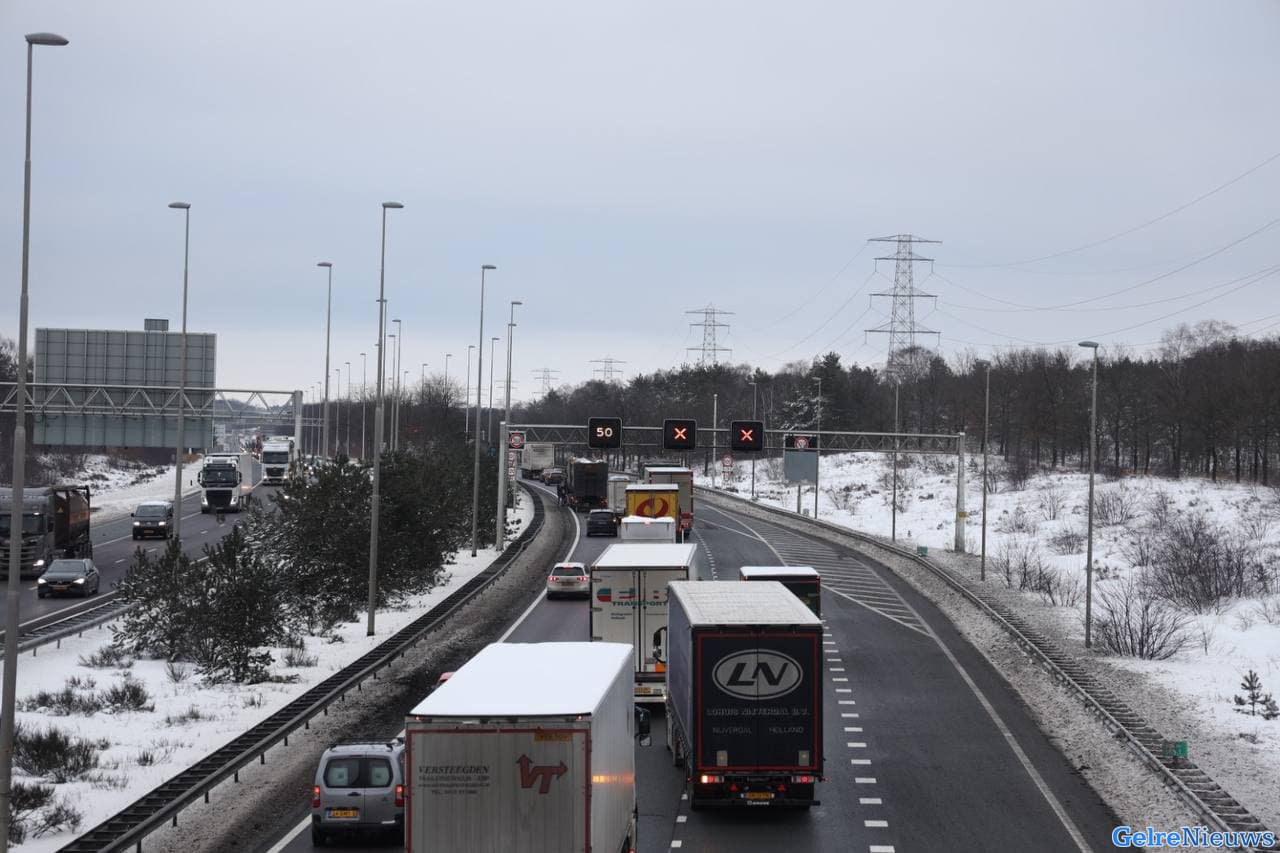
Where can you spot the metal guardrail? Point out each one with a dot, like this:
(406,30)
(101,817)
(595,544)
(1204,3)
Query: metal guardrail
(49,632)
(1192,785)
(139,819)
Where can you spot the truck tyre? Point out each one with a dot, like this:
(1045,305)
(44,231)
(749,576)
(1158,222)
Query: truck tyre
(319,838)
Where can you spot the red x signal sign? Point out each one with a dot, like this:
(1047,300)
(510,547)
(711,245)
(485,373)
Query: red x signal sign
(679,434)
(746,436)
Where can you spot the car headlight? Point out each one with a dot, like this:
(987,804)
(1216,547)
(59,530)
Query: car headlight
(38,563)
(137,524)
(79,580)
(40,581)
(163,523)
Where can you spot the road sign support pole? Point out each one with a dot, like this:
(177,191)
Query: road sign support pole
(504,448)
(297,417)
(960,513)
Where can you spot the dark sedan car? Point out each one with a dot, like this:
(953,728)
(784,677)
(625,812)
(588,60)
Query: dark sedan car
(601,522)
(69,577)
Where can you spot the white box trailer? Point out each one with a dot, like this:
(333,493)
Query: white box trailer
(618,493)
(637,528)
(629,605)
(528,748)
(535,458)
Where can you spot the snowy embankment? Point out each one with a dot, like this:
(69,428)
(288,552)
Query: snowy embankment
(117,487)
(1038,527)
(186,718)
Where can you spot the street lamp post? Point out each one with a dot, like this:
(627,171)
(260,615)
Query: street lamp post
(501,514)
(391,430)
(488,430)
(337,410)
(986,436)
(1093,464)
(347,440)
(818,460)
(753,383)
(396,389)
(13,588)
(466,390)
(364,388)
(893,524)
(182,371)
(447,356)
(377,421)
(328,313)
(424,374)
(475,471)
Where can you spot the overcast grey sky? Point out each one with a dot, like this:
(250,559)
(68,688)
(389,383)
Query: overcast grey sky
(624,162)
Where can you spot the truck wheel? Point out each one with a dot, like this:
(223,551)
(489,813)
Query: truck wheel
(319,838)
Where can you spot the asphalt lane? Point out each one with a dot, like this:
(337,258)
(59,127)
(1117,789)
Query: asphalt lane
(113,550)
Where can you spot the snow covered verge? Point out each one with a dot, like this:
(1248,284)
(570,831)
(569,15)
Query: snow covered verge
(184,719)
(118,485)
(1039,524)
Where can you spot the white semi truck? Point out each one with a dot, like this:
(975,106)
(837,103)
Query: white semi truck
(527,748)
(225,478)
(535,458)
(279,457)
(629,605)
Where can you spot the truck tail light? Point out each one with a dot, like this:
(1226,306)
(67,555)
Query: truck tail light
(399,796)
(710,779)
(315,796)
(802,780)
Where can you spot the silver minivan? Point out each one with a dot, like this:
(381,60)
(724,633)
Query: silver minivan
(359,787)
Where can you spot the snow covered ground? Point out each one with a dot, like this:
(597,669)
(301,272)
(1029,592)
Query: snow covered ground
(190,719)
(1189,695)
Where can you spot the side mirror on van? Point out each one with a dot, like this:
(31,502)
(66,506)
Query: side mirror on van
(642,726)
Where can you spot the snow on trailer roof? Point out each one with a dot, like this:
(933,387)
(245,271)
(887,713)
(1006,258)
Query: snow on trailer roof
(778,572)
(654,487)
(643,555)
(530,680)
(669,469)
(759,603)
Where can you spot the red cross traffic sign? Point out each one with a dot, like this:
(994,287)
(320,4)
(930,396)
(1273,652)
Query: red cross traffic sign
(515,440)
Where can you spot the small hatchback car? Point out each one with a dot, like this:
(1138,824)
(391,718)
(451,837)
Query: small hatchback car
(359,788)
(568,579)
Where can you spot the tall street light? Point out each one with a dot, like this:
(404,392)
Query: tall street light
(182,371)
(391,430)
(1093,464)
(328,313)
(395,406)
(347,441)
(501,514)
(364,389)
(447,356)
(466,393)
(488,430)
(13,589)
(475,470)
(754,388)
(337,410)
(377,421)
(424,373)
(986,435)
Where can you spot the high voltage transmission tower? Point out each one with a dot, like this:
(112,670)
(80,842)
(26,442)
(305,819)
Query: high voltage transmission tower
(547,376)
(902,328)
(710,352)
(608,371)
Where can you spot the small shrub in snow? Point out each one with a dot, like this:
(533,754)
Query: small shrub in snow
(108,657)
(1197,565)
(1206,637)
(1114,506)
(35,811)
(1019,562)
(1139,548)
(1254,702)
(191,715)
(1268,610)
(1052,500)
(296,658)
(146,758)
(1068,540)
(1057,587)
(1160,509)
(71,699)
(1018,472)
(177,671)
(129,695)
(54,754)
(1256,524)
(1018,521)
(1132,621)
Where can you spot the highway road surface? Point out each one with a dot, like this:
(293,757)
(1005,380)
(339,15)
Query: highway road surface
(926,747)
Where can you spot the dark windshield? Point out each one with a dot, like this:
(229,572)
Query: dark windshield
(152,511)
(220,475)
(275,457)
(31,524)
(66,567)
(560,571)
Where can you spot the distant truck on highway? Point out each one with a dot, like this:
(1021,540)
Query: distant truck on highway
(656,500)
(535,458)
(744,694)
(279,459)
(586,484)
(55,523)
(527,748)
(682,477)
(629,605)
(618,493)
(223,478)
(804,581)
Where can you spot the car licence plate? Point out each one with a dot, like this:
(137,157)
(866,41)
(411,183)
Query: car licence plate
(344,812)
(759,795)
(60,587)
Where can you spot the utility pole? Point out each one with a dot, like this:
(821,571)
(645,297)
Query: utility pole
(607,373)
(547,376)
(709,352)
(902,328)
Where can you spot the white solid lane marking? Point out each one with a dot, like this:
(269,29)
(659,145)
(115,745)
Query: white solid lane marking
(876,824)
(293,833)
(881,848)
(864,780)
(677,843)
(121,560)
(870,801)
(577,533)
(681,818)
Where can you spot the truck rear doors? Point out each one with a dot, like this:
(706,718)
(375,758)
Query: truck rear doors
(630,606)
